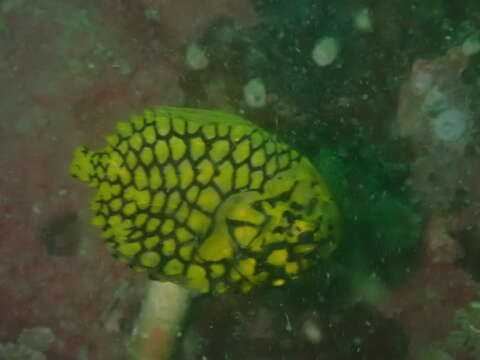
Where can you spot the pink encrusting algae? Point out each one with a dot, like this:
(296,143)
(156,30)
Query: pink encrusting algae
(68,71)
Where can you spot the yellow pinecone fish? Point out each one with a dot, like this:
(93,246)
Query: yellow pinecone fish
(208,200)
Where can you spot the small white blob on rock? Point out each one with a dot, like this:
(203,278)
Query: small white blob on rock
(325,51)
(421,82)
(312,331)
(255,93)
(471,45)
(450,125)
(362,20)
(196,57)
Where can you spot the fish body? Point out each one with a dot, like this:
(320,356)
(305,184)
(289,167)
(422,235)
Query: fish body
(208,200)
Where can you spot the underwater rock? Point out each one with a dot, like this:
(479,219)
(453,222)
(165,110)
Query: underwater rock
(434,106)
(436,112)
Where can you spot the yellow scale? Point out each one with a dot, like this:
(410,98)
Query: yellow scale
(208,200)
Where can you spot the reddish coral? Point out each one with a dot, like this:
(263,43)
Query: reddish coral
(426,304)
